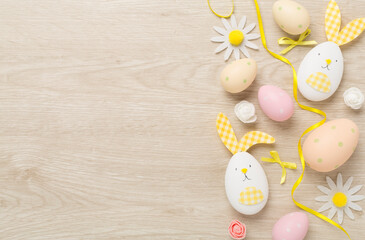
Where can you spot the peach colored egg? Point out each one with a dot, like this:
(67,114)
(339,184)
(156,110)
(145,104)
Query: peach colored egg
(238,75)
(293,226)
(292,17)
(331,145)
(275,103)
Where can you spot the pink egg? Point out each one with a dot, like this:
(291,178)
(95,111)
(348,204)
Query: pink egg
(293,226)
(275,103)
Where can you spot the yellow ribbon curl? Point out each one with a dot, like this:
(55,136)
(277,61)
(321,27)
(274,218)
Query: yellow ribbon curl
(276,159)
(293,43)
(311,109)
(218,15)
(314,110)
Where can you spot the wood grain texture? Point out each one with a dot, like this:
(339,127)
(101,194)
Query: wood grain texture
(107,121)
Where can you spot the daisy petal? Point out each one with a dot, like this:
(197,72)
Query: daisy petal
(249,28)
(244,51)
(356,198)
(226,24)
(325,207)
(251,45)
(340,215)
(349,213)
(324,189)
(355,189)
(228,53)
(242,23)
(237,53)
(220,30)
(252,36)
(233,22)
(339,181)
(218,39)
(355,206)
(331,183)
(348,183)
(332,213)
(324,198)
(221,47)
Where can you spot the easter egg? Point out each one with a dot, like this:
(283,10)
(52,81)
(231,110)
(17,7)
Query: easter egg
(292,17)
(275,103)
(320,72)
(331,145)
(292,226)
(238,75)
(246,184)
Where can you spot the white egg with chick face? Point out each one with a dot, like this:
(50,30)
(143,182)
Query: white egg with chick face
(320,72)
(244,173)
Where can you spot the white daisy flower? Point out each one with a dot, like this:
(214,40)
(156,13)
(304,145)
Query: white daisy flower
(340,198)
(235,38)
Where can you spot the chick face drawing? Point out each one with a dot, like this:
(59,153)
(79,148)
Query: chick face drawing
(246,184)
(320,72)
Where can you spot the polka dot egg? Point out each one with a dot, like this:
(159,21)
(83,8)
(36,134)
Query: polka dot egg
(292,17)
(331,145)
(238,75)
(275,103)
(293,226)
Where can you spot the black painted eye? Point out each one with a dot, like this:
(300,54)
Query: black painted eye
(236,169)
(336,61)
(250,165)
(319,54)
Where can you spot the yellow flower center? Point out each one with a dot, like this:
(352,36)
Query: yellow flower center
(339,199)
(236,37)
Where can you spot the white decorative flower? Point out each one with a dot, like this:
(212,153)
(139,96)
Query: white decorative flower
(245,111)
(235,38)
(340,198)
(353,98)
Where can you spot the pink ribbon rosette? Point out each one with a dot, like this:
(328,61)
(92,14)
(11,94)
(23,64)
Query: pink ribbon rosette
(237,230)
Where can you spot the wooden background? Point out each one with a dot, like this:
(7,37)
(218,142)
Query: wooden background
(107,121)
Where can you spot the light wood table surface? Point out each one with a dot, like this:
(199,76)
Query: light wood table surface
(107,121)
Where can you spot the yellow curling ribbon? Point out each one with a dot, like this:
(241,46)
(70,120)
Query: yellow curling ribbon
(314,110)
(293,43)
(218,15)
(276,159)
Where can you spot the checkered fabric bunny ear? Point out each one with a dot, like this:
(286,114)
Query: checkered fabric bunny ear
(229,139)
(333,24)
(226,133)
(254,137)
(351,31)
(332,21)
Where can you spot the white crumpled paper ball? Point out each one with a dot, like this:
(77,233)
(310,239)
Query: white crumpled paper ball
(353,98)
(245,111)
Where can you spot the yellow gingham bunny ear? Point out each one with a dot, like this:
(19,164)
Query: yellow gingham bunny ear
(226,133)
(332,21)
(333,24)
(229,139)
(351,31)
(254,137)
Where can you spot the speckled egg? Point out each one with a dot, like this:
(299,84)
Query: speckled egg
(238,75)
(275,103)
(331,145)
(292,17)
(293,226)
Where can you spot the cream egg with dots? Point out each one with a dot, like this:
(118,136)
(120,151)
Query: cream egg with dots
(238,75)
(292,17)
(275,103)
(292,226)
(331,145)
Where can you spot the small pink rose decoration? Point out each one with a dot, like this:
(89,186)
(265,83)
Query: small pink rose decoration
(237,230)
